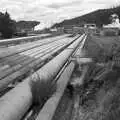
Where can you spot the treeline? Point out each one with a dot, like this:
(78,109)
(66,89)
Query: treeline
(9,27)
(98,17)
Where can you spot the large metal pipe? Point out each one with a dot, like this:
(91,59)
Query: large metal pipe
(24,62)
(19,40)
(17,58)
(36,63)
(48,111)
(20,58)
(24,55)
(25,69)
(15,103)
(34,50)
(20,48)
(24,49)
(51,105)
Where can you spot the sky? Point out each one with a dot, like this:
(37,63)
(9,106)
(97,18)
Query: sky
(49,12)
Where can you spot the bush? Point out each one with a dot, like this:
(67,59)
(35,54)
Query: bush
(41,90)
(7,25)
(110,32)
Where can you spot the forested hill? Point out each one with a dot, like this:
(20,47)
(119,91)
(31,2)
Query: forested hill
(98,17)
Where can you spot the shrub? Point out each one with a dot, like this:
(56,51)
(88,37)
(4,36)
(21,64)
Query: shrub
(41,90)
(110,32)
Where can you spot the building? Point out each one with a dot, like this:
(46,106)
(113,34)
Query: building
(90,26)
(114,27)
(26,26)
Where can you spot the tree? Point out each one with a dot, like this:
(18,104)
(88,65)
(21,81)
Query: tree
(7,25)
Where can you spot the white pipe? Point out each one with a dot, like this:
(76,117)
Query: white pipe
(18,40)
(27,46)
(10,78)
(16,102)
(51,105)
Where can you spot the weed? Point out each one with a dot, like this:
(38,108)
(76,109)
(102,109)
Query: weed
(41,90)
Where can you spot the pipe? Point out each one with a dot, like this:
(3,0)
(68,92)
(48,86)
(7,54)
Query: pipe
(51,105)
(11,78)
(28,52)
(18,40)
(21,64)
(28,46)
(15,103)
(25,69)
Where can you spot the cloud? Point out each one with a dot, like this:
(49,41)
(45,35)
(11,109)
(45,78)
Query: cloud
(103,2)
(62,4)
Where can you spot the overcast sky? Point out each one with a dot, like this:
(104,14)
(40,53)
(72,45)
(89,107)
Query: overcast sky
(51,11)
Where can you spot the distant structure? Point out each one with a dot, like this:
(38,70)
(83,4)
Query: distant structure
(26,26)
(115,19)
(90,25)
(115,22)
(112,29)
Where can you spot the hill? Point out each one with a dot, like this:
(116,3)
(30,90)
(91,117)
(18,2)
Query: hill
(98,17)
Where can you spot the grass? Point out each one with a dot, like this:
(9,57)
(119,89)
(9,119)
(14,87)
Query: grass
(110,32)
(41,90)
(109,106)
(101,98)
(101,101)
